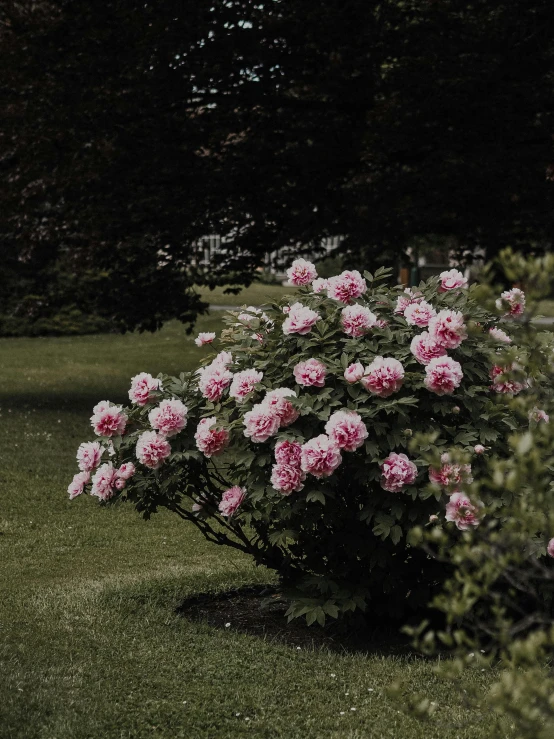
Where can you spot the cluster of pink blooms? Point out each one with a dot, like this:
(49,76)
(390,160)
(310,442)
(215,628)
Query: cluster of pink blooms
(210,440)
(409,297)
(310,373)
(448,328)
(89,454)
(214,378)
(499,335)
(443,375)
(243,383)
(419,313)
(108,419)
(300,319)
(450,474)
(105,481)
(462,512)
(347,430)
(204,337)
(169,418)
(501,381)
(425,348)
(152,449)
(231,500)
(267,417)
(142,387)
(252,317)
(397,472)
(346,287)
(301,272)
(453,279)
(514,299)
(287,475)
(357,320)
(320,456)
(383,377)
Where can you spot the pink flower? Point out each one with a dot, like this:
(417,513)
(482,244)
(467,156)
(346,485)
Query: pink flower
(347,430)
(501,381)
(120,483)
(77,485)
(383,377)
(419,314)
(462,511)
(515,300)
(103,482)
(310,372)
(550,548)
(169,418)
(199,504)
(277,401)
(152,449)
(398,471)
(108,420)
(301,272)
(450,474)
(537,415)
(407,298)
(357,320)
(142,387)
(254,318)
(261,422)
(354,372)
(499,335)
(425,348)
(243,383)
(320,456)
(448,328)
(451,280)
(213,380)
(479,449)
(300,320)
(287,479)
(381,323)
(231,500)
(210,440)
(320,285)
(204,338)
(443,375)
(346,287)
(288,453)
(88,455)
(126,471)
(223,359)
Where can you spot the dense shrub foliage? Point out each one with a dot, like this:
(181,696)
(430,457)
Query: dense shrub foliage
(292,443)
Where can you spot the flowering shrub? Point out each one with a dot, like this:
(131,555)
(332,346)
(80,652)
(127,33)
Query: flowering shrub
(292,443)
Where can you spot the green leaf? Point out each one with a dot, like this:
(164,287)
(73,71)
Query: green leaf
(316,496)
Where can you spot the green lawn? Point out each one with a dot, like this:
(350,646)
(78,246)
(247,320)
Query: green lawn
(256,294)
(91,644)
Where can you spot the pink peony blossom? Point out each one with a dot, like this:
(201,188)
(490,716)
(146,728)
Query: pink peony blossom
(103,482)
(346,287)
(357,320)
(288,453)
(213,380)
(462,511)
(499,335)
(300,320)
(397,472)
(89,454)
(501,381)
(169,418)
(120,483)
(243,383)
(381,323)
(204,338)
(77,485)
(255,317)
(354,372)
(199,504)
(301,272)
(310,373)
(453,279)
(108,420)
(443,375)
(277,401)
(210,440)
(320,456)
(142,387)
(479,449)
(448,328)
(231,500)
(320,285)
(425,348)
(347,430)
(383,377)
(409,297)
(550,548)
(287,479)
(514,300)
(152,449)
(450,474)
(261,422)
(223,359)
(419,314)
(126,471)
(537,415)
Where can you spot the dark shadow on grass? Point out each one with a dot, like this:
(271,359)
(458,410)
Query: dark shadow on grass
(259,610)
(78,402)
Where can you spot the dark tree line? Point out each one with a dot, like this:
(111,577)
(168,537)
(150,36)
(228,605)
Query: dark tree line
(131,129)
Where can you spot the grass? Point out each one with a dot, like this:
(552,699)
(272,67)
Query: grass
(256,294)
(91,643)
(546,308)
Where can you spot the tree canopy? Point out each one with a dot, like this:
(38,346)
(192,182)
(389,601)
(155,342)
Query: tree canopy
(131,129)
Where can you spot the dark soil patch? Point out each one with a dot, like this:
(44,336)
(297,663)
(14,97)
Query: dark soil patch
(260,611)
